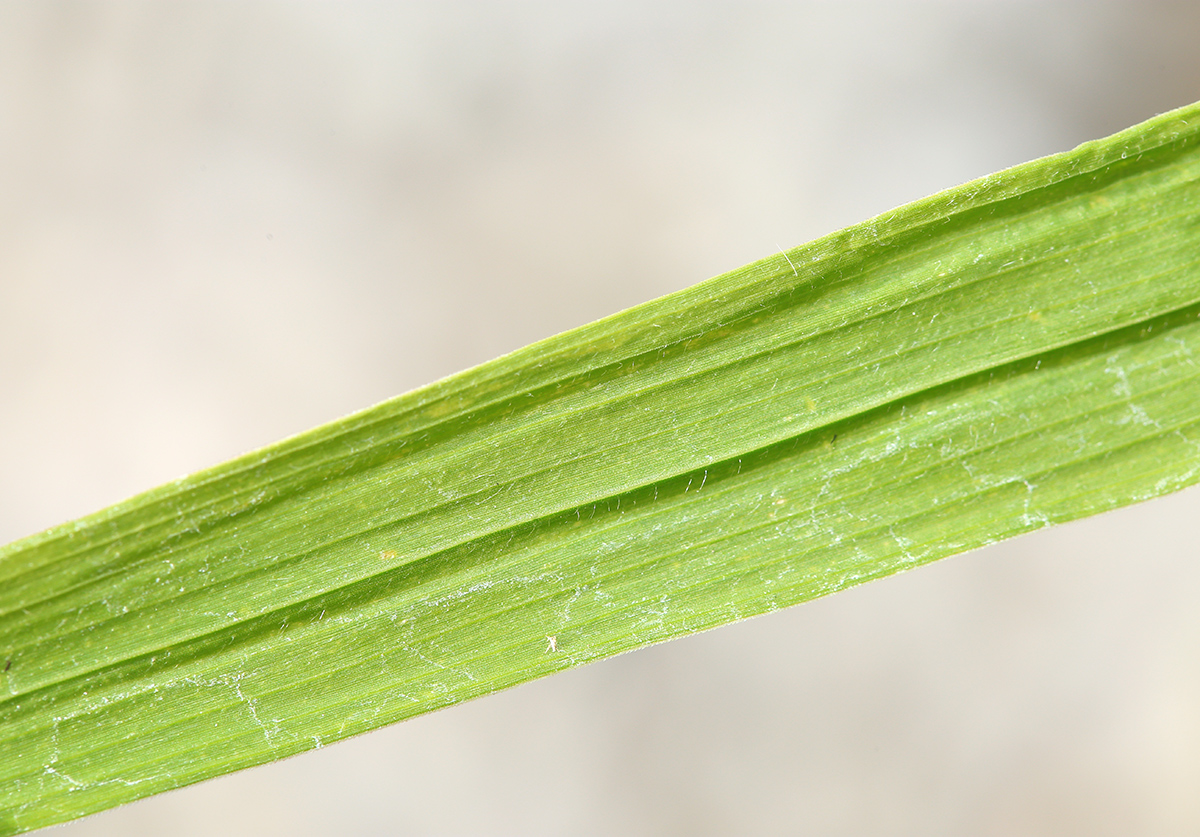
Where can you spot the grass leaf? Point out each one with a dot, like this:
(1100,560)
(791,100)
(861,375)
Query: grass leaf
(1008,354)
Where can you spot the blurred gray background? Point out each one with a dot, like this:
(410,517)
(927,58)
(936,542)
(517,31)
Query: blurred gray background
(224,223)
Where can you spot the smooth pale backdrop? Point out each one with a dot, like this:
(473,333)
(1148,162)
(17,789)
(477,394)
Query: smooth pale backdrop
(224,223)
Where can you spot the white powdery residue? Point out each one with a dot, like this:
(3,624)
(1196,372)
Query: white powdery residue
(1187,439)
(1171,483)
(1121,388)
(565,616)
(49,768)
(52,767)
(51,771)
(985,480)
(1035,520)
(904,544)
(234,682)
(94,703)
(131,782)
(462,672)
(350,618)
(480,587)
(1137,415)
(455,595)
(1183,350)
(599,596)
(252,707)
(656,616)
(1029,518)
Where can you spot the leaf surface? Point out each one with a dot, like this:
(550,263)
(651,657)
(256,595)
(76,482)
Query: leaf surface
(1015,352)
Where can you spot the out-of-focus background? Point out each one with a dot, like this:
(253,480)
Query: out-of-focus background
(223,223)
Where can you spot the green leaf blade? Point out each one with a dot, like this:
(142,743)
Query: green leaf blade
(1015,352)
